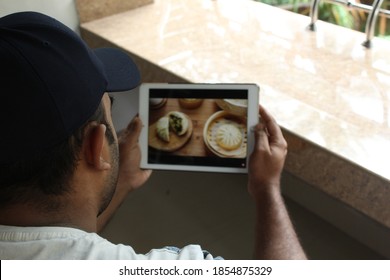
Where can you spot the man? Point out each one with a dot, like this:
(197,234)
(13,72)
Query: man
(63,169)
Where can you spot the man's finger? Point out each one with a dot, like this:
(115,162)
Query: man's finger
(261,137)
(275,134)
(133,130)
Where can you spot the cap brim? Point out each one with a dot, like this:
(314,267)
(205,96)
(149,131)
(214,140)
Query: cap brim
(122,73)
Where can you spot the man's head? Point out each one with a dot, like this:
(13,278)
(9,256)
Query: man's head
(52,88)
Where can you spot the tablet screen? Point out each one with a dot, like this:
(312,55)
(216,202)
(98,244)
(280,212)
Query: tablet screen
(192,127)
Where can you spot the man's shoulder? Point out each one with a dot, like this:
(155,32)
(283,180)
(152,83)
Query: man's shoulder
(71,243)
(56,243)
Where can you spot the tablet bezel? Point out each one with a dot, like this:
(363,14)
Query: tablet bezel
(144,107)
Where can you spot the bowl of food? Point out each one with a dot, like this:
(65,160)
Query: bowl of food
(234,106)
(190,103)
(225,134)
(156,103)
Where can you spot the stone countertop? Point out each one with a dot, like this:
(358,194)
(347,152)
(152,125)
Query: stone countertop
(330,95)
(92,10)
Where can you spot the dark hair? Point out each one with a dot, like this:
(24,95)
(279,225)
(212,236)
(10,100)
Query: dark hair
(47,173)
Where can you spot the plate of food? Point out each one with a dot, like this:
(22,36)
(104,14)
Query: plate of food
(225,135)
(170,132)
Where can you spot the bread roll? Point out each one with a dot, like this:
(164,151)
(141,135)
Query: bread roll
(178,122)
(229,137)
(162,129)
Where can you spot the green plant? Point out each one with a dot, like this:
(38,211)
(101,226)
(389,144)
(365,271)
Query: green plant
(337,14)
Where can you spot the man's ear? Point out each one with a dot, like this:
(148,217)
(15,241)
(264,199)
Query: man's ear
(94,144)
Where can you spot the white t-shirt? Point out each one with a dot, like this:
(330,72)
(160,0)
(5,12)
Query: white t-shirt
(62,243)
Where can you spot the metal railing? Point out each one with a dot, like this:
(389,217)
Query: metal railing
(373,10)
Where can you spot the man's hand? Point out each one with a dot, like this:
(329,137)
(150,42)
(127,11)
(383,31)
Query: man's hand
(267,160)
(275,237)
(130,173)
(131,176)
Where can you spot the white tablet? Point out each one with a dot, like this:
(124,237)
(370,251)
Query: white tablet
(198,127)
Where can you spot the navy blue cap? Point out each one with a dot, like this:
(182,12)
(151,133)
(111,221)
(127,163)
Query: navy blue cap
(51,82)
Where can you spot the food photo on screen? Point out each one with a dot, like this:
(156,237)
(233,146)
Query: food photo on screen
(189,129)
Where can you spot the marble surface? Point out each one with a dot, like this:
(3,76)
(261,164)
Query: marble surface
(329,93)
(92,10)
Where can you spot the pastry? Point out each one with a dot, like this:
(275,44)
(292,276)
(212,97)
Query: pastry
(178,122)
(190,103)
(228,137)
(162,128)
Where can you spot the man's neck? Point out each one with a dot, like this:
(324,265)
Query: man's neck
(28,216)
